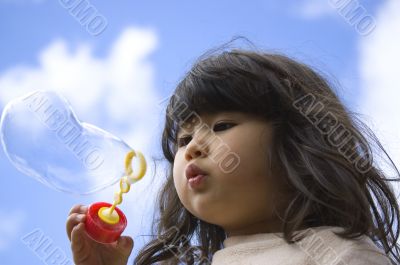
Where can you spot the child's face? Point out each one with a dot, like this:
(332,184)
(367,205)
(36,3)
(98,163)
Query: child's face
(241,201)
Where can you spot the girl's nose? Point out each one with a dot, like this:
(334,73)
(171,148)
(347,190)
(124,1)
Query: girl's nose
(197,147)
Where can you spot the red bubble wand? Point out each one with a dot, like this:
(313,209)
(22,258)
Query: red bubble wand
(105,222)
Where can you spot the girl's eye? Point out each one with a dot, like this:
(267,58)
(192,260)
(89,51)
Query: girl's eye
(223,126)
(182,141)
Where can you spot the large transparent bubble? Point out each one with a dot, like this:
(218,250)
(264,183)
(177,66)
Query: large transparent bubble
(43,138)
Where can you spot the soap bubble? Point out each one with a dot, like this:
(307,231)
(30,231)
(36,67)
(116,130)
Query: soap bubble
(43,138)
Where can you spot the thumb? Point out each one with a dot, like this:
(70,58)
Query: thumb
(125,245)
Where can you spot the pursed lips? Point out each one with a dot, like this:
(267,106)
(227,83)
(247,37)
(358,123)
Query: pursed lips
(193,171)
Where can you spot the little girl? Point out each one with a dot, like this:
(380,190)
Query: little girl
(266,167)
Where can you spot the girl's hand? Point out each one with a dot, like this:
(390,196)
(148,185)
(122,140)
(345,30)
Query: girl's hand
(86,251)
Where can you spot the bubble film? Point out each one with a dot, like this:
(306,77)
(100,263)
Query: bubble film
(43,138)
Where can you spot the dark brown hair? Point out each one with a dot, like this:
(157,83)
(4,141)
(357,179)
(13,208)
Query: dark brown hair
(326,153)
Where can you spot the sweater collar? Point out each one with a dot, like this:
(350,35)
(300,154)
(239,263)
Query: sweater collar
(266,238)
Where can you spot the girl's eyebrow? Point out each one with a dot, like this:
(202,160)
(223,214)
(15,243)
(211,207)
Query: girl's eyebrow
(181,127)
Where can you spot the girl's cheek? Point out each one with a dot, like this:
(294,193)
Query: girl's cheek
(176,184)
(177,175)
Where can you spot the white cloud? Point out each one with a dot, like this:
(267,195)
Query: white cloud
(379,66)
(10,227)
(116,92)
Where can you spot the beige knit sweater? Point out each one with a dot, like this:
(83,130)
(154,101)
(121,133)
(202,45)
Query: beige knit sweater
(320,247)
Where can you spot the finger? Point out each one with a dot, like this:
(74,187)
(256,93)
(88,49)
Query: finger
(77,238)
(78,244)
(125,245)
(79,208)
(72,221)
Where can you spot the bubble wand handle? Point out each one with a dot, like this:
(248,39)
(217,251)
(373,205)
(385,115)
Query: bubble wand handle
(105,222)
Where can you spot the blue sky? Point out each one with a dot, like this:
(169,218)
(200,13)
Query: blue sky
(117,79)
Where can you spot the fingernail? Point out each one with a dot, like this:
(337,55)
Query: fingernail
(84,208)
(125,242)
